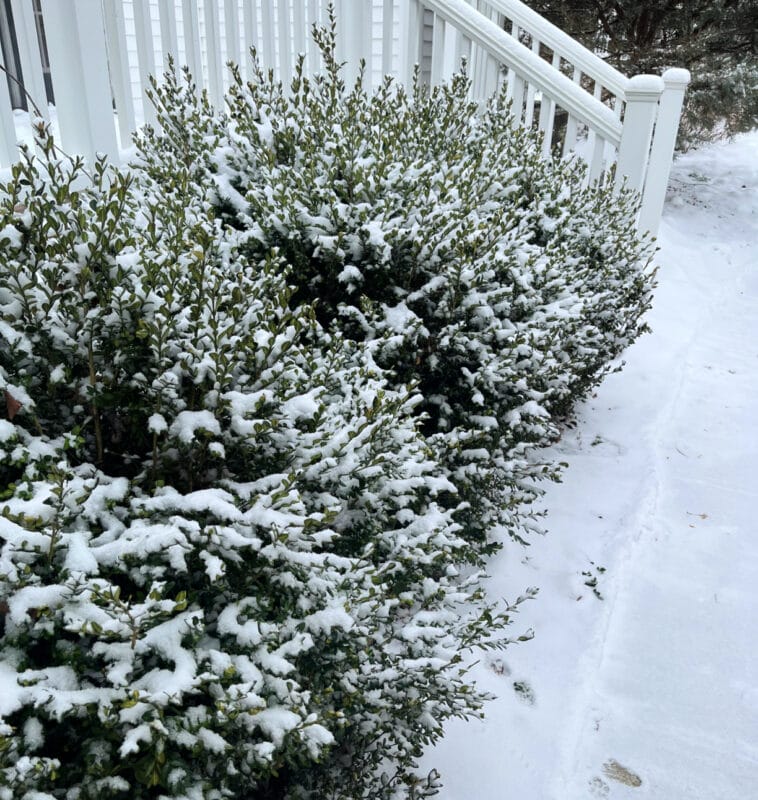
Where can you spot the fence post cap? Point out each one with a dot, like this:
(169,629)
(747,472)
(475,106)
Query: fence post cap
(644,87)
(676,77)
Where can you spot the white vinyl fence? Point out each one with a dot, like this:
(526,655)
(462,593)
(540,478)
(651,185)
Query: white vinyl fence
(101,53)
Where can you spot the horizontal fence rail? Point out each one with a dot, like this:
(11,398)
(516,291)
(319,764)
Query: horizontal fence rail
(98,56)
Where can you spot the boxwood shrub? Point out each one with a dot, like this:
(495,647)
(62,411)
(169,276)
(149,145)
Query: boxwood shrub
(497,282)
(225,569)
(270,397)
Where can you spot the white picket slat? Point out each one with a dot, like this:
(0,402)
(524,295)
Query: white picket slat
(213,53)
(8,136)
(299,28)
(29,55)
(361,33)
(547,114)
(571,125)
(169,39)
(192,51)
(549,126)
(412,56)
(491,77)
(438,50)
(314,18)
(388,35)
(250,26)
(517,109)
(531,91)
(269,37)
(79,65)
(591,135)
(118,61)
(143,28)
(232,31)
(343,56)
(597,150)
(462,51)
(285,43)
(511,72)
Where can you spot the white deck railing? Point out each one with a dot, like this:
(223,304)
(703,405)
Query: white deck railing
(101,53)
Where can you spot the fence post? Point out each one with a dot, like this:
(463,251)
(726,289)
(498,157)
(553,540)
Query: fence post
(28,51)
(641,96)
(79,66)
(662,152)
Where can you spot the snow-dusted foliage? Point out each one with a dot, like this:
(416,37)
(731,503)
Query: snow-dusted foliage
(269,396)
(493,279)
(229,563)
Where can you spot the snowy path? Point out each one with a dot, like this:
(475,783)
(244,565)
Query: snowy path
(651,691)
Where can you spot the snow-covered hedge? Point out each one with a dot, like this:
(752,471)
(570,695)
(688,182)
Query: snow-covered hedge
(493,279)
(269,396)
(225,569)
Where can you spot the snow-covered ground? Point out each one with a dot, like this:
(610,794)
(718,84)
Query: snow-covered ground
(646,684)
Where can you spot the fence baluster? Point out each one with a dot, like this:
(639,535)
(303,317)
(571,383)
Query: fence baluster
(549,125)
(79,65)
(388,36)
(547,114)
(143,29)
(462,51)
(415,18)
(571,125)
(250,18)
(364,39)
(29,55)
(314,18)
(269,39)
(438,50)
(515,32)
(285,43)
(8,136)
(299,27)
(592,135)
(531,90)
(596,158)
(517,109)
(232,31)
(169,39)
(192,51)
(213,54)
(491,67)
(118,59)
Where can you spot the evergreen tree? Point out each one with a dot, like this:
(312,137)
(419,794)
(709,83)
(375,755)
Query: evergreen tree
(717,40)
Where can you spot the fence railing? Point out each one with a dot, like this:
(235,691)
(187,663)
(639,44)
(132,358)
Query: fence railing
(576,99)
(101,53)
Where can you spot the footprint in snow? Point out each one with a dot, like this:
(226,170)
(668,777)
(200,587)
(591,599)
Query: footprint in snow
(498,666)
(599,788)
(524,692)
